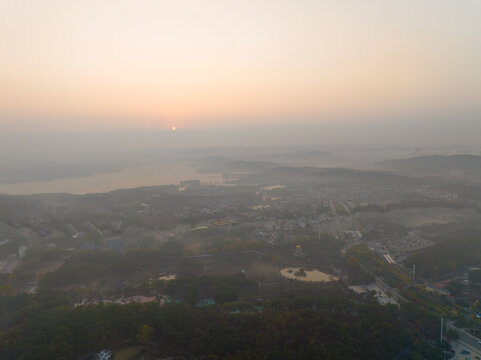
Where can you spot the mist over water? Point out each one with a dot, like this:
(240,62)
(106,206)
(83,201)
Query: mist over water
(164,173)
(98,161)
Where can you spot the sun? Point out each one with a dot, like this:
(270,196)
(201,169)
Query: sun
(173,128)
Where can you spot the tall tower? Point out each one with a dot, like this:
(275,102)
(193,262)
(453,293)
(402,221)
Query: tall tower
(414,272)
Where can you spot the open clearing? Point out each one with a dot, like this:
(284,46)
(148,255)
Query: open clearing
(128,353)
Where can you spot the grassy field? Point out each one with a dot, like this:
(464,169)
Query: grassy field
(128,353)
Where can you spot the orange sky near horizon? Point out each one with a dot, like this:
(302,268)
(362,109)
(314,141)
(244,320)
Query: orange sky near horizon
(153,63)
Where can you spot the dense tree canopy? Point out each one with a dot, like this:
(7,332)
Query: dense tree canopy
(326,327)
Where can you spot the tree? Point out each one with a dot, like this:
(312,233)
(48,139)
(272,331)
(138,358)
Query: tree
(6,290)
(453,334)
(455,287)
(145,334)
(475,278)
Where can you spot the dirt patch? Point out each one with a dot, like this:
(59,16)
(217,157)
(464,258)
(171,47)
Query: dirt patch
(307,274)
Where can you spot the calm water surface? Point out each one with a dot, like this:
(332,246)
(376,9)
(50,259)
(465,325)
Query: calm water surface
(146,175)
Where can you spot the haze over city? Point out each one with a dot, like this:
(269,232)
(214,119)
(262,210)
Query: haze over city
(234,180)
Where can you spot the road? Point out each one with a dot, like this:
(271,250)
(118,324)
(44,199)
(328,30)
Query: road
(466,342)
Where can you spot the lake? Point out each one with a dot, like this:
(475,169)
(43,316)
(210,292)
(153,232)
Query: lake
(145,175)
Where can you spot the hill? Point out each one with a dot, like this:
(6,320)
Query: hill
(436,162)
(238,166)
(338,176)
(453,166)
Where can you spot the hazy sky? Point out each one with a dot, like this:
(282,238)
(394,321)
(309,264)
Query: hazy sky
(98,64)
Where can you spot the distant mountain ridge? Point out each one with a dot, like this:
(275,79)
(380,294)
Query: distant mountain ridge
(332,175)
(238,166)
(435,162)
(447,167)
(302,154)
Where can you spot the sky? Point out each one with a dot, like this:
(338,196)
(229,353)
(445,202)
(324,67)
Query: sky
(152,64)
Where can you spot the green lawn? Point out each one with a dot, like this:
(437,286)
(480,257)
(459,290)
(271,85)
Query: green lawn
(128,353)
